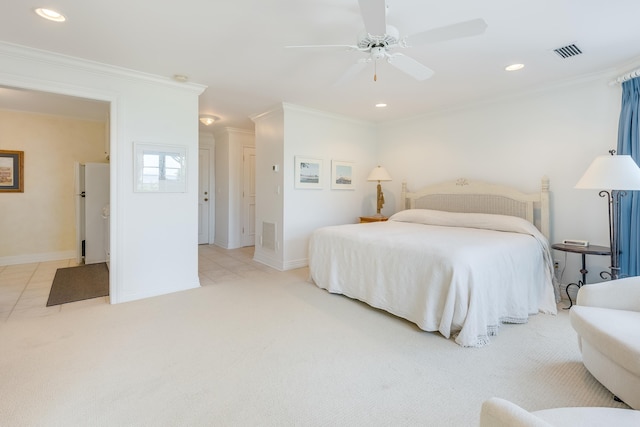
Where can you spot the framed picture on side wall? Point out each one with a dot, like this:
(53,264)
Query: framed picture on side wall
(160,168)
(11,171)
(308,173)
(342,175)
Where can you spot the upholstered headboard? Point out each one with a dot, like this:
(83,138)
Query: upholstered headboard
(464,195)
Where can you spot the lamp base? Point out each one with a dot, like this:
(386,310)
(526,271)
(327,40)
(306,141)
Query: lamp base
(380,201)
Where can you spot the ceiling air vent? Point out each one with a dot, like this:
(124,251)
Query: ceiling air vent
(568,51)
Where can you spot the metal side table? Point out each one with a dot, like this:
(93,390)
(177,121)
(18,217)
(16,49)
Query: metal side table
(584,251)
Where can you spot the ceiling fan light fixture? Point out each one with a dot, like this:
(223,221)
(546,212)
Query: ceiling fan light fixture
(180,78)
(50,14)
(514,67)
(381,105)
(378,52)
(208,120)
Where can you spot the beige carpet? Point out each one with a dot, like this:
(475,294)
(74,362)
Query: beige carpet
(274,352)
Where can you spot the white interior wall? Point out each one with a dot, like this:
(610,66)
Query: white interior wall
(290,131)
(222,189)
(160,234)
(556,132)
(328,137)
(269,137)
(153,236)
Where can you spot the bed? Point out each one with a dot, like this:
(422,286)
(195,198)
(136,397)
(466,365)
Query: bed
(462,258)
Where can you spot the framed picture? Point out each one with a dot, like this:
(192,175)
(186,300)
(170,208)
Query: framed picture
(342,175)
(308,173)
(11,171)
(160,168)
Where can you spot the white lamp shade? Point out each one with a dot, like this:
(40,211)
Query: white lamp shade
(379,174)
(613,172)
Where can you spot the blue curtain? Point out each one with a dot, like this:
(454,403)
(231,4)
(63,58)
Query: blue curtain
(629,143)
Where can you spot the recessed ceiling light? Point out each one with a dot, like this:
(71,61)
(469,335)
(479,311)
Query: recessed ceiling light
(51,15)
(514,67)
(381,105)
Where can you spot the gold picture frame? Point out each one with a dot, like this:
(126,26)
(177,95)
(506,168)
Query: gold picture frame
(11,171)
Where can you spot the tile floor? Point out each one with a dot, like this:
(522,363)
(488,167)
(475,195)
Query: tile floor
(24,288)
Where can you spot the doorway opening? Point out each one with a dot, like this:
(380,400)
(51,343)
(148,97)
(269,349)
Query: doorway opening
(66,129)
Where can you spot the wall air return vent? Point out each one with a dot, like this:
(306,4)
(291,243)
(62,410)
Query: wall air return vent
(269,235)
(568,51)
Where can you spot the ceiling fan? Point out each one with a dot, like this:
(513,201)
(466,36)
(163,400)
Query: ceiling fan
(380,39)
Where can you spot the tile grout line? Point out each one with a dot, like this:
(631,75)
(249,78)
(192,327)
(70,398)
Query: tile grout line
(27,285)
(23,289)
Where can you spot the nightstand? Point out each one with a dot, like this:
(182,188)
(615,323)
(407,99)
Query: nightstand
(582,250)
(372,219)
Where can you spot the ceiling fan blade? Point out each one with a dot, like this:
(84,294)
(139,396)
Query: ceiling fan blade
(351,72)
(348,46)
(374,15)
(410,66)
(470,28)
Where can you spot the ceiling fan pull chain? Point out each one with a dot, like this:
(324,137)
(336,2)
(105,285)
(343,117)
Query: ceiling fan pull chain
(375,71)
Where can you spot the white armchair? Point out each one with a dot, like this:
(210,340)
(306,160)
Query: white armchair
(498,412)
(607,320)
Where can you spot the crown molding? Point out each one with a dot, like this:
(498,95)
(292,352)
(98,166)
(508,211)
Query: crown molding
(603,76)
(26,53)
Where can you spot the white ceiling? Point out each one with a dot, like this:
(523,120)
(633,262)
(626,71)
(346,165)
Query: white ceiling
(49,103)
(237,48)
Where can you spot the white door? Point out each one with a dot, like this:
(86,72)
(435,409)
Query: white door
(203,196)
(96,188)
(249,196)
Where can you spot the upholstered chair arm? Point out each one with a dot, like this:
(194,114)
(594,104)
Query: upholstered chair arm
(620,294)
(498,412)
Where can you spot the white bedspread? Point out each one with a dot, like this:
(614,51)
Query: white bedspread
(461,280)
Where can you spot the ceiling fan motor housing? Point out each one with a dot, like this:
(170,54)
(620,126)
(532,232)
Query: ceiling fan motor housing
(390,39)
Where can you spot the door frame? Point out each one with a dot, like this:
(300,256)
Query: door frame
(245,239)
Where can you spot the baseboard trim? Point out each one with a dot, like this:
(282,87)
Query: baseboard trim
(262,258)
(42,257)
(193,284)
(292,265)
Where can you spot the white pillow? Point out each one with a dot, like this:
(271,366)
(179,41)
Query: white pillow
(469,220)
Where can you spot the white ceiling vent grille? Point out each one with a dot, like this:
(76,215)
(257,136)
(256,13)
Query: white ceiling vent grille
(568,51)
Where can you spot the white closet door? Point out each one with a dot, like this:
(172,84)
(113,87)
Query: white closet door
(204,196)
